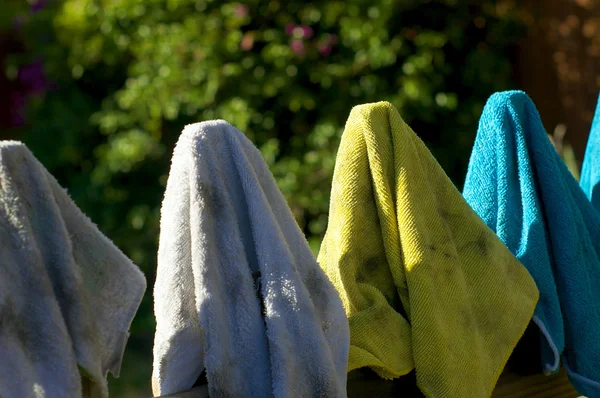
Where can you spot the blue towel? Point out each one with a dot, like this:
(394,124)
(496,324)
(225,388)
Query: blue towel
(522,189)
(590,171)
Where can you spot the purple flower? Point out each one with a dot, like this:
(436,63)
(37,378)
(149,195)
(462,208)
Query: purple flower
(37,6)
(240,10)
(17,107)
(32,77)
(32,80)
(17,120)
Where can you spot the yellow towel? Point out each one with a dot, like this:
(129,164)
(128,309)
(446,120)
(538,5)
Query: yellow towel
(424,282)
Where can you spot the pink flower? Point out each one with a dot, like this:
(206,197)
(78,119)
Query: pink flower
(326,45)
(306,31)
(240,10)
(325,49)
(297,46)
(247,42)
(299,31)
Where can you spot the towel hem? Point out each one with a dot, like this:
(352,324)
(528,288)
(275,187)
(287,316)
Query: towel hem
(584,381)
(548,370)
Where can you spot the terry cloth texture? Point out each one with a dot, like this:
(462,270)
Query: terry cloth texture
(523,191)
(425,283)
(590,171)
(226,232)
(67,294)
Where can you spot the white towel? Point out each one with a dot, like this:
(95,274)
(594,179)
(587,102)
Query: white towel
(224,220)
(67,294)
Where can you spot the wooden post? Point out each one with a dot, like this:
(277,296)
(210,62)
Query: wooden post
(558,64)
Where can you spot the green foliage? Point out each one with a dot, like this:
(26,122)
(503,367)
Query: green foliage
(129,74)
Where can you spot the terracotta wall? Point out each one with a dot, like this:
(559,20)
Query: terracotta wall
(558,64)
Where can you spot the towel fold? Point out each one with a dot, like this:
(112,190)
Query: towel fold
(67,294)
(226,232)
(590,170)
(521,188)
(425,283)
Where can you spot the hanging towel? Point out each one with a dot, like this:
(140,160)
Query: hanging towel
(424,282)
(521,188)
(226,232)
(590,170)
(67,294)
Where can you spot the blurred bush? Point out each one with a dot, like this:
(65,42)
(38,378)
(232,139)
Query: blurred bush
(107,86)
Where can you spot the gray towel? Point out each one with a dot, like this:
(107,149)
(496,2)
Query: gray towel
(224,223)
(67,294)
